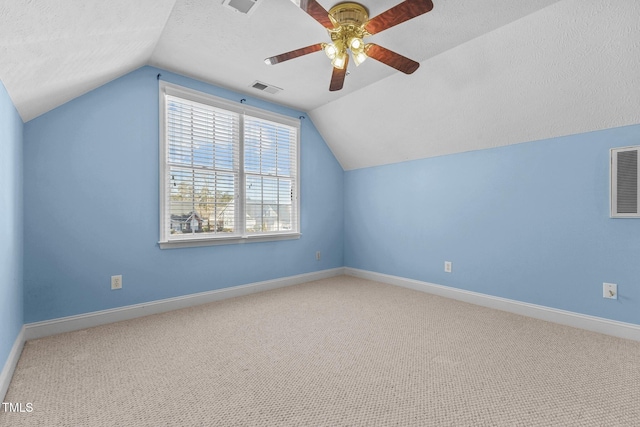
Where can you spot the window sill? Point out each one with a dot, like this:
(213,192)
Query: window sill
(232,240)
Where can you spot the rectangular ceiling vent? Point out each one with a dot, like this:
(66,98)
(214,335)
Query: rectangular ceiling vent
(243,6)
(265,87)
(625,177)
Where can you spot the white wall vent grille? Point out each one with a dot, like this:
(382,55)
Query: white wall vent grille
(624,182)
(243,6)
(265,87)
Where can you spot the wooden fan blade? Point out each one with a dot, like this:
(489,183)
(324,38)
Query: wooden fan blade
(391,58)
(397,15)
(338,75)
(293,54)
(317,12)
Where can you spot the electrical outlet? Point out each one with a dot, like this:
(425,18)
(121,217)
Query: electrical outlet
(610,290)
(116,282)
(447,266)
(318,256)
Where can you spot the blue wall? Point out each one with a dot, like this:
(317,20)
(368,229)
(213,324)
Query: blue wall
(11,241)
(528,222)
(91,205)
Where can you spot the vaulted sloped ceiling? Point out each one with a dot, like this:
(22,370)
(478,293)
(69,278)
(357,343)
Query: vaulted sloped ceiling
(492,72)
(570,68)
(55,50)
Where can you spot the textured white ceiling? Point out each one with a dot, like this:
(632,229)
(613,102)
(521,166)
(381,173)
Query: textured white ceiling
(572,67)
(55,50)
(216,44)
(493,72)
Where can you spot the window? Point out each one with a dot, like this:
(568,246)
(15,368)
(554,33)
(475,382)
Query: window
(228,172)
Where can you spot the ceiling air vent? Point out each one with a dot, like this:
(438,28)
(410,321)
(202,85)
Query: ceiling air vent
(243,6)
(265,87)
(625,177)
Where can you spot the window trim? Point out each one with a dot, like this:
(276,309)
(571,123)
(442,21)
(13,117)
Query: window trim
(164,242)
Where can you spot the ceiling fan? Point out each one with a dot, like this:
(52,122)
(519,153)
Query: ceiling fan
(348,24)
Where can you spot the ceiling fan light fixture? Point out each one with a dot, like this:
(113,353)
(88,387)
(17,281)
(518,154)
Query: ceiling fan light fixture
(330,50)
(359,56)
(356,43)
(340,60)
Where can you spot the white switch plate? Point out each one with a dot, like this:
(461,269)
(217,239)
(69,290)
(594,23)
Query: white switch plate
(610,290)
(116,282)
(447,266)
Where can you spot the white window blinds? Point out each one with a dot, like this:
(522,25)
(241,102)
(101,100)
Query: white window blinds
(270,168)
(202,168)
(227,171)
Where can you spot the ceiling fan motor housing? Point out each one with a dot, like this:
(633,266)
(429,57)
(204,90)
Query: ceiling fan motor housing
(348,20)
(349,14)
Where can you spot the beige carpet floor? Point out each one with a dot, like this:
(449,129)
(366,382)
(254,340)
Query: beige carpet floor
(336,352)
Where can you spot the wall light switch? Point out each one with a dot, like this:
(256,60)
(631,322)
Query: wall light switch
(610,290)
(447,266)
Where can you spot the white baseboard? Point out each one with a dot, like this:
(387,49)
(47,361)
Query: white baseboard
(10,364)
(82,321)
(591,323)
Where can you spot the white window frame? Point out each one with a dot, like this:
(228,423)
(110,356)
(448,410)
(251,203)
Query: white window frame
(168,241)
